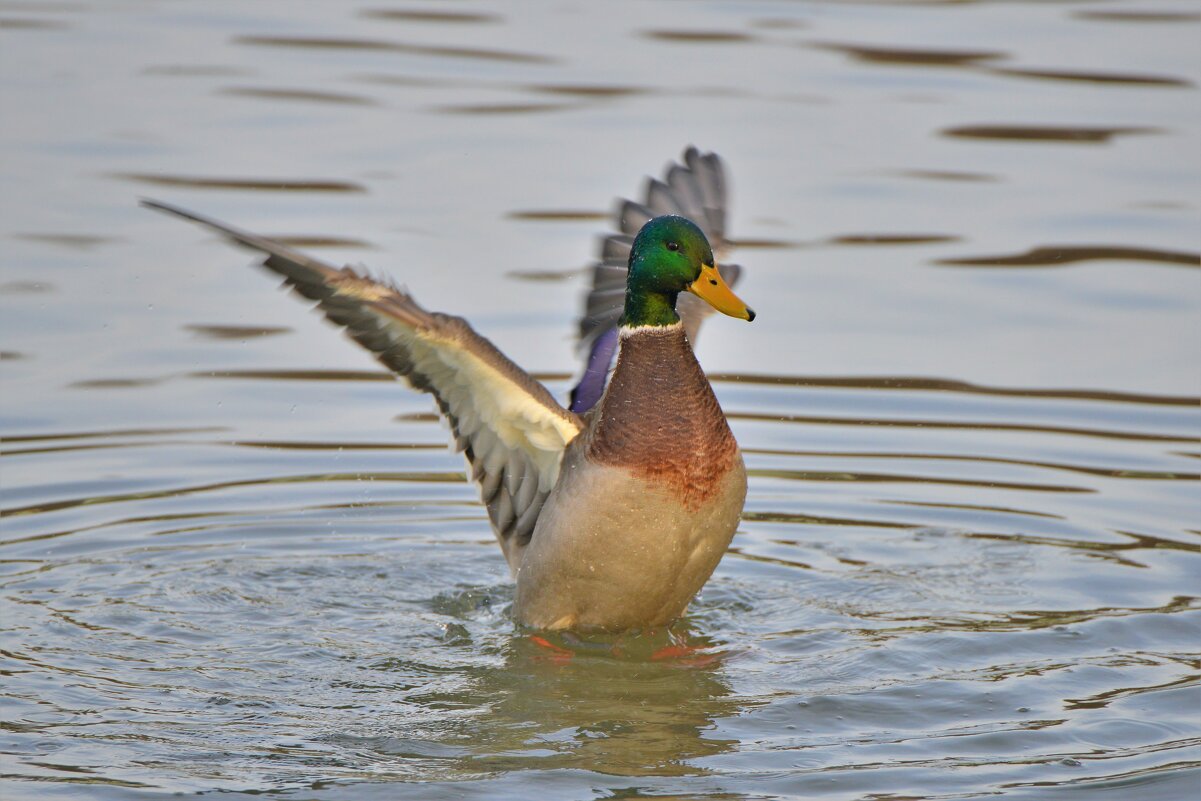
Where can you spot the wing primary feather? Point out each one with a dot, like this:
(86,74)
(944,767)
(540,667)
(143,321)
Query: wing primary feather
(514,474)
(632,216)
(660,199)
(688,192)
(527,490)
(617,248)
(509,427)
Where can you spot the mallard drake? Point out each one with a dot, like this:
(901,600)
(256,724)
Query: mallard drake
(613,513)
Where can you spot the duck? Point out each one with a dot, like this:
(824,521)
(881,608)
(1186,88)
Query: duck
(612,512)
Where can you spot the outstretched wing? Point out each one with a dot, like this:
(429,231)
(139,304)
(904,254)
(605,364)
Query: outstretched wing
(511,429)
(695,189)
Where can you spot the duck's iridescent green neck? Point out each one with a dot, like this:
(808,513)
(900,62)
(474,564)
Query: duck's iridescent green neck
(645,307)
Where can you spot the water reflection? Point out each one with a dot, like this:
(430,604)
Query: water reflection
(426,15)
(944,424)
(1045,133)
(28,24)
(982,60)
(589,91)
(1120,79)
(502,108)
(330,43)
(238,332)
(914,57)
(893,239)
(74,241)
(633,717)
(949,175)
(298,95)
(1060,256)
(242,184)
(1126,16)
(698,37)
(26,287)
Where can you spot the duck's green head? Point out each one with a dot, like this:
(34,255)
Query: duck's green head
(671,255)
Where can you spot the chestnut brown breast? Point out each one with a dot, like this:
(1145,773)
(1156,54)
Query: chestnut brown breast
(660,419)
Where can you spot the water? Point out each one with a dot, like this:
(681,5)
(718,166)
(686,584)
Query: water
(236,557)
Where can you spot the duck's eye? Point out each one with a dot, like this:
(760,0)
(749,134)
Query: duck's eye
(673,245)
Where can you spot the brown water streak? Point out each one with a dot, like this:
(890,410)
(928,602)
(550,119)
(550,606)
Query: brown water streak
(1045,133)
(1061,255)
(246,184)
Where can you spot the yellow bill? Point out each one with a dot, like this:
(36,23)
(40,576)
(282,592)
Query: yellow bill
(710,288)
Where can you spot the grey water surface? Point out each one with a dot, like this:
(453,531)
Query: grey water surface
(236,558)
